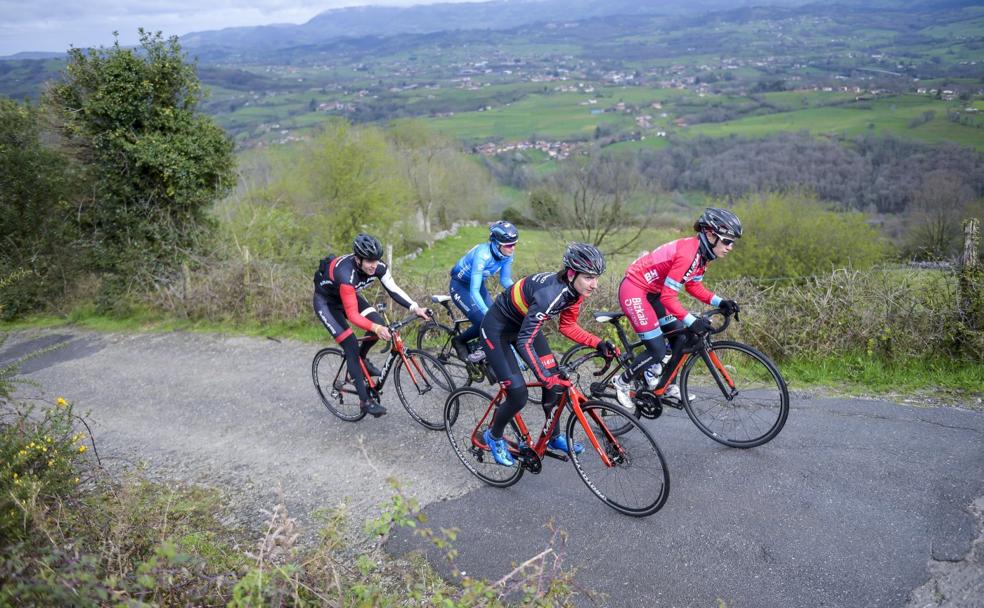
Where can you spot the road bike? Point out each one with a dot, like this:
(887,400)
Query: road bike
(625,470)
(731,391)
(421,381)
(435,337)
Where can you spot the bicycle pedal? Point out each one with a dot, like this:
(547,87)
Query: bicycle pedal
(557,455)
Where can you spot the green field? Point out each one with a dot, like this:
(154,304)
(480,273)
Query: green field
(889,116)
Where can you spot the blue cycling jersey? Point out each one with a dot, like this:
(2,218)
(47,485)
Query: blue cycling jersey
(477,264)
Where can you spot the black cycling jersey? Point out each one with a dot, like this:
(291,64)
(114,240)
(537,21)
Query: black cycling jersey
(535,299)
(334,272)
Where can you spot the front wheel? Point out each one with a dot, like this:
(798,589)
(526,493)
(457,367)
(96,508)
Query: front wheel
(423,388)
(336,389)
(735,395)
(636,480)
(593,374)
(467,413)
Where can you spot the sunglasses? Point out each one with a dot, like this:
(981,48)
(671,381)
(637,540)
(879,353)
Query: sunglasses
(728,242)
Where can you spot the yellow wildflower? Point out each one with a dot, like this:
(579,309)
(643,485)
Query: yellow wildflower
(81,449)
(61,402)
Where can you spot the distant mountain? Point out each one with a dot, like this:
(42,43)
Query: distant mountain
(494,15)
(32,55)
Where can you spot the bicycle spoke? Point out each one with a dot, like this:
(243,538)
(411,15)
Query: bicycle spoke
(336,389)
(467,413)
(749,414)
(636,481)
(423,386)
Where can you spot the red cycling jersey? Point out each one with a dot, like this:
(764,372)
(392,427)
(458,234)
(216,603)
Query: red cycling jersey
(669,268)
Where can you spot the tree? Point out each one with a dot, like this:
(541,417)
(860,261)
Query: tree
(154,164)
(352,182)
(444,183)
(939,208)
(594,197)
(36,231)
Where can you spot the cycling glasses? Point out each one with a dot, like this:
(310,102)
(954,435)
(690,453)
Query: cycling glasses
(727,241)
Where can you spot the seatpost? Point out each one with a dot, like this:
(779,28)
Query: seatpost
(626,349)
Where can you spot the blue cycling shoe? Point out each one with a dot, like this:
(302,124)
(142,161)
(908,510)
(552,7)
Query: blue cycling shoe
(559,443)
(500,451)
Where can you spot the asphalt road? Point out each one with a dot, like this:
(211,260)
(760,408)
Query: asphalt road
(855,503)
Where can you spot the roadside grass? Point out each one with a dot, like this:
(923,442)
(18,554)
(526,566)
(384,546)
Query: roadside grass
(930,379)
(75,533)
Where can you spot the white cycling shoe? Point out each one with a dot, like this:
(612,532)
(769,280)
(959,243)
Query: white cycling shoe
(623,392)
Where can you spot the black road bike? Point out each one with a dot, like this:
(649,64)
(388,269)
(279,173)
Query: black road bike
(731,391)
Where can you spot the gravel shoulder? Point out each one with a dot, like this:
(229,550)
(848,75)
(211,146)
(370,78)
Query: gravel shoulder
(237,413)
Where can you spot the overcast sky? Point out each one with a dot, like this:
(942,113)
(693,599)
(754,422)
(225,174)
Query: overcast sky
(54,25)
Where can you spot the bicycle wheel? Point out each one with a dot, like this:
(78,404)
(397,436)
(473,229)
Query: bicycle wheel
(335,387)
(638,480)
(423,388)
(436,340)
(585,364)
(742,403)
(467,413)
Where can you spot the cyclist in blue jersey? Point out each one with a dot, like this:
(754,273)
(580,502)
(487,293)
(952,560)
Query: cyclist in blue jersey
(467,287)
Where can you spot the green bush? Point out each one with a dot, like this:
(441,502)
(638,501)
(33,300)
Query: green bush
(793,235)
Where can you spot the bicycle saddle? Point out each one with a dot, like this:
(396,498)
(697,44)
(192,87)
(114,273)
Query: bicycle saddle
(606,317)
(440,299)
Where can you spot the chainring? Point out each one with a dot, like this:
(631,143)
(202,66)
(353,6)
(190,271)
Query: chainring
(649,405)
(530,460)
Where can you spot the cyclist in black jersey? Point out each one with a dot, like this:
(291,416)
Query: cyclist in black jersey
(517,318)
(337,301)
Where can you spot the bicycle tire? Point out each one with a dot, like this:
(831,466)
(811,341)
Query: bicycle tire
(424,399)
(594,387)
(638,483)
(329,371)
(752,416)
(436,340)
(463,411)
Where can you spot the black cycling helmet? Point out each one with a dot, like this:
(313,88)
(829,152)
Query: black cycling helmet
(367,247)
(721,221)
(503,233)
(581,257)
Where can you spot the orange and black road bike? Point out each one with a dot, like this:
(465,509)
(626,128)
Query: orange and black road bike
(731,391)
(623,468)
(421,381)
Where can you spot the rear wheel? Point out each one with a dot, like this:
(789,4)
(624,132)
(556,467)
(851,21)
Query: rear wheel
(637,480)
(736,395)
(336,389)
(467,413)
(424,388)
(436,340)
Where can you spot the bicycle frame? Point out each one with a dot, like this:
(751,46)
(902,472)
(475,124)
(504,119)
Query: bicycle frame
(573,399)
(678,360)
(397,351)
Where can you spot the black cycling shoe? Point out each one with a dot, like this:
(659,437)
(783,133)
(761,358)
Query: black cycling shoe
(372,408)
(460,347)
(372,369)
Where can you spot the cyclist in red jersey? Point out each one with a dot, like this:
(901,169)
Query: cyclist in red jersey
(649,294)
(337,284)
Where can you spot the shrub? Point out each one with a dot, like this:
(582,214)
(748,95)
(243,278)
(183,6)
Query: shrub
(793,235)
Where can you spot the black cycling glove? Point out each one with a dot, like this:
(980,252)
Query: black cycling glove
(700,327)
(607,349)
(729,307)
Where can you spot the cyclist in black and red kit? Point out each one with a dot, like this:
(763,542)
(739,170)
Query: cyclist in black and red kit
(516,319)
(336,301)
